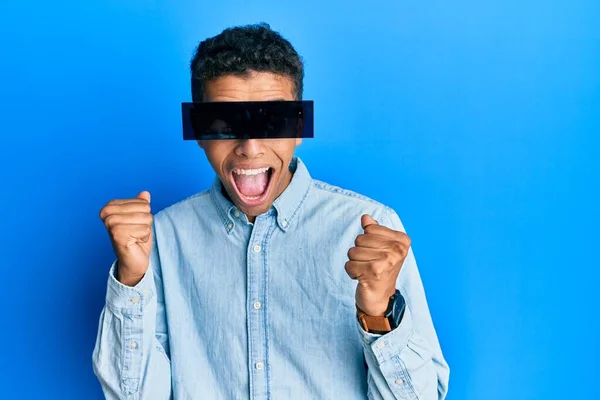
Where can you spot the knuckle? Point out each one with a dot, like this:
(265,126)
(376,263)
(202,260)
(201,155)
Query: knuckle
(391,259)
(347,266)
(108,220)
(377,273)
(388,256)
(116,231)
(351,252)
(359,239)
(105,211)
(112,203)
(373,266)
(404,238)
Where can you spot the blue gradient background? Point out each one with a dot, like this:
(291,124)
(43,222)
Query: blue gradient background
(477,121)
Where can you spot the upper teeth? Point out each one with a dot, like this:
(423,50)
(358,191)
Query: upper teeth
(241,171)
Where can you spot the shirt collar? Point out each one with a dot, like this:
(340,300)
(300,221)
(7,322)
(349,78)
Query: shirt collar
(286,205)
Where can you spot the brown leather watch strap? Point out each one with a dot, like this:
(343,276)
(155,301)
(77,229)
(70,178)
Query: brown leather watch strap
(373,324)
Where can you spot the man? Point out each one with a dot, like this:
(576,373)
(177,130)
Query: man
(270,284)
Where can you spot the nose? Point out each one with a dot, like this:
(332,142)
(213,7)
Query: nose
(250,148)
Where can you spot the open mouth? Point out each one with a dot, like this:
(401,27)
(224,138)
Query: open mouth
(252,185)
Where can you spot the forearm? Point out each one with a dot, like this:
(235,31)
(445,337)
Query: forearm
(128,360)
(406,363)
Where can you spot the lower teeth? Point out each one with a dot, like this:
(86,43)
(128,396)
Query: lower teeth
(262,194)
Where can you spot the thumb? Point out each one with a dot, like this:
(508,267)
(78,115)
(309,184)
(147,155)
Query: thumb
(367,220)
(145,195)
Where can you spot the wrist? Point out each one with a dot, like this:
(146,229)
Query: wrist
(381,324)
(376,308)
(126,278)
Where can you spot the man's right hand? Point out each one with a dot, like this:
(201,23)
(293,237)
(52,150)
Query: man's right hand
(129,225)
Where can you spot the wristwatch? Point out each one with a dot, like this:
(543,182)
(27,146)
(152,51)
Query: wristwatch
(386,323)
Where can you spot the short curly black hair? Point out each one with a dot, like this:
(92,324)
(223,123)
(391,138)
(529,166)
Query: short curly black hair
(242,49)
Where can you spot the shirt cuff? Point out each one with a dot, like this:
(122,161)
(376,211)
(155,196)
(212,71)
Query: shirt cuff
(384,347)
(129,299)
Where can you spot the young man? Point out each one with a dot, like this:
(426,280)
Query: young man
(270,284)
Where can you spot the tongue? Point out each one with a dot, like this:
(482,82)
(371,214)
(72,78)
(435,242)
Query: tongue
(251,185)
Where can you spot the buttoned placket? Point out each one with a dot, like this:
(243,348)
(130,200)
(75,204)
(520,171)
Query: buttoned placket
(256,307)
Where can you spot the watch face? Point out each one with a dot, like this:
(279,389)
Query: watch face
(397,305)
(390,321)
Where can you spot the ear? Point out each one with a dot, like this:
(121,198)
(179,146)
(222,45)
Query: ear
(298,142)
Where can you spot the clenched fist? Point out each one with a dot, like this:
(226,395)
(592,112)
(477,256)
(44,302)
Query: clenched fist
(375,261)
(129,225)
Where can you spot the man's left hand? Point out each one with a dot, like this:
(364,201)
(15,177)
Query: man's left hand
(375,261)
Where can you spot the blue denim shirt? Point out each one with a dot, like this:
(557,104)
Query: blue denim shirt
(234,310)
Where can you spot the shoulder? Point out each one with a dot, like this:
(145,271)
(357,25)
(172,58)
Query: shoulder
(348,199)
(341,194)
(182,208)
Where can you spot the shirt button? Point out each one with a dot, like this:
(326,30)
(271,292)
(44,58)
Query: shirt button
(135,300)
(256,305)
(256,248)
(399,382)
(133,345)
(284,223)
(236,213)
(259,365)
(380,345)
(229,225)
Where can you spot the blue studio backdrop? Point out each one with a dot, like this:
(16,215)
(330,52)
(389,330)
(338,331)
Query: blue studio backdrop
(477,121)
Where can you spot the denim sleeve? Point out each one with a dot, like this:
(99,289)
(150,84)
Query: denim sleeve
(406,363)
(131,357)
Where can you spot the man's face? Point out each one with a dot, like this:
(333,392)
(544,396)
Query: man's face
(254,172)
